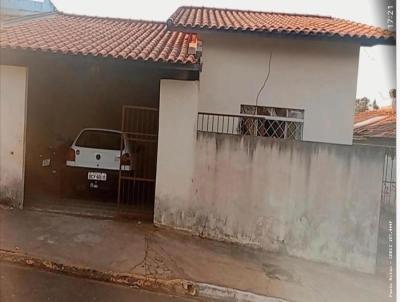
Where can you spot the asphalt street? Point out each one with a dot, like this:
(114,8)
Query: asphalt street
(21,283)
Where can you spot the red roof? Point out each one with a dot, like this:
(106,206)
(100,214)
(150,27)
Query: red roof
(369,114)
(375,123)
(96,36)
(203,18)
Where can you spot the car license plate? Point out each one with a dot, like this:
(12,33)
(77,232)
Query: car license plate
(97,176)
(46,162)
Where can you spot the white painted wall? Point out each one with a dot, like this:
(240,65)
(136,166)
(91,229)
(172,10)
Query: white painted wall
(316,201)
(310,200)
(13,91)
(317,76)
(176,140)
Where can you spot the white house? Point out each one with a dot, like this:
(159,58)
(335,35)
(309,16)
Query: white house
(270,79)
(312,63)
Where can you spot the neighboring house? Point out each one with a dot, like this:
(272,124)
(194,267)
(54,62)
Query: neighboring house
(17,8)
(222,100)
(377,127)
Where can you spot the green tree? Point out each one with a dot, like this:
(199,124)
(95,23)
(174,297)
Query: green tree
(362,104)
(375,105)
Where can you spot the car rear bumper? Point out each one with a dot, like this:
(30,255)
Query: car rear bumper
(73,164)
(77,177)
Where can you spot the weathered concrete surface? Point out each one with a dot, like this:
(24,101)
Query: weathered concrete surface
(311,200)
(141,249)
(176,140)
(13,89)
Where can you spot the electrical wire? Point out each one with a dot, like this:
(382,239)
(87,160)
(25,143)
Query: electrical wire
(265,81)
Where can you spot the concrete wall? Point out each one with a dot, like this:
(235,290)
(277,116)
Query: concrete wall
(319,77)
(13,86)
(176,142)
(312,200)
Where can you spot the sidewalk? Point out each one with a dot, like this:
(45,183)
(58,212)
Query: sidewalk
(129,247)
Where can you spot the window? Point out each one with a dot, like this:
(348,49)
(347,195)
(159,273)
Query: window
(272,111)
(99,140)
(275,122)
(285,123)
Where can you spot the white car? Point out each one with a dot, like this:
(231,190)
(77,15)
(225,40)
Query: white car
(94,159)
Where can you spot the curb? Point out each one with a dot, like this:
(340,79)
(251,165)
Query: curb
(179,287)
(230,294)
(174,286)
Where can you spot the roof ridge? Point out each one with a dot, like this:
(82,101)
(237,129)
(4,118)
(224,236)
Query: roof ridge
(253,11)
(369,121)
(384,110)
(197,18)
(278,13)
(112,18)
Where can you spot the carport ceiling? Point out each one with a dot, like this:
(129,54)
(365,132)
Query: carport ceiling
(132,40)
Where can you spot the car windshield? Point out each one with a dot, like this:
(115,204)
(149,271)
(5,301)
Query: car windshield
(99,140)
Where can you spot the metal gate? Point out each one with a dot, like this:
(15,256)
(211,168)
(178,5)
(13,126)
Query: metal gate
(136,185)
(388,193)
(386,249)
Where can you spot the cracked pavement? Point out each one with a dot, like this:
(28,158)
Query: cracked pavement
(129,247)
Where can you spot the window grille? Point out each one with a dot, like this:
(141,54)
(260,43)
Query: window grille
(255,125)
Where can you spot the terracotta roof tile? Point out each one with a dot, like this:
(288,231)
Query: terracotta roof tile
(375,123)
(366,115)
(204,18)
(96,36)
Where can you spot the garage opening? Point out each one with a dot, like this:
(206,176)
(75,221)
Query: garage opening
(79,108)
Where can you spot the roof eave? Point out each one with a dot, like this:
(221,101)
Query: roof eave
(362,41)
(161,64)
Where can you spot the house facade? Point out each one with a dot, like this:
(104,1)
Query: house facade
(255,121)
(311,63)
(259,83)
(240,61)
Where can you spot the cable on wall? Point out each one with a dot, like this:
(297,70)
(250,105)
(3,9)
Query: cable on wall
(265,81)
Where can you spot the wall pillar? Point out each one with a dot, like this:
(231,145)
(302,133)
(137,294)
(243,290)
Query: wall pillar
(13,92)
(176,145)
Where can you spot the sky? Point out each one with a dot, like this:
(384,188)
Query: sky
(377,64)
